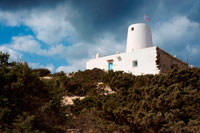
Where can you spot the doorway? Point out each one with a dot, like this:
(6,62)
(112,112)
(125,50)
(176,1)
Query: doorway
(110,66)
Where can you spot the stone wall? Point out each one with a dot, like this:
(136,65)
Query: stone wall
(167,62)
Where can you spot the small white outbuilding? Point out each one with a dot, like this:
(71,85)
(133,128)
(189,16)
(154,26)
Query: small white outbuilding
(141,57)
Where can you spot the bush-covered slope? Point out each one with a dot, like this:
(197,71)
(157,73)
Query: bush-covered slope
(148,103)
(28,104)
(160,103)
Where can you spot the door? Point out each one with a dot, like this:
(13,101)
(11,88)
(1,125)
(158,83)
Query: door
(110,66)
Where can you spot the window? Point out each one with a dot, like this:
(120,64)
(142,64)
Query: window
(132,28)
(135,63)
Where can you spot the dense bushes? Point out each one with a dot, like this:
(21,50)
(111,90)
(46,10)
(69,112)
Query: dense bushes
(147,103)
(160,103)
(28,104)
(118,80)
(84,82)
(42,72)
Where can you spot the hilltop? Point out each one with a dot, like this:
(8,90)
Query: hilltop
(147,103)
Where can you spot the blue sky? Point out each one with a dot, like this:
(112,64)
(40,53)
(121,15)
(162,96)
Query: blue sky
(62,35)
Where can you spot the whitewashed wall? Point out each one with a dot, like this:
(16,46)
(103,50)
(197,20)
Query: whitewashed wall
(139,37)
(146,59)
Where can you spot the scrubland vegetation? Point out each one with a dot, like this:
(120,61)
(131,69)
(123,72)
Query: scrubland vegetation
(148,103)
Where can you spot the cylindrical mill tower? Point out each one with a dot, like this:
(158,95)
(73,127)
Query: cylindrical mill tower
(139,37)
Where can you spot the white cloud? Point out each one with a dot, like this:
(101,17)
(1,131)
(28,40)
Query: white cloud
(54,50)
(14,55)
(53,27)
(50,26)
(50,67)
(26,44)
(77,55)
(30,45)
(11,19)
(66,69)
(193,50)
(177,36)
(107,45)
(37,65)
(176,29)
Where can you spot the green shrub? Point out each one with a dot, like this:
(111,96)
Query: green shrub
(42,72)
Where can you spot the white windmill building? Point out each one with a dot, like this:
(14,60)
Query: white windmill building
(141,57)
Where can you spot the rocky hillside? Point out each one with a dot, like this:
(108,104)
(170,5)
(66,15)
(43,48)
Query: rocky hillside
(100,102)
